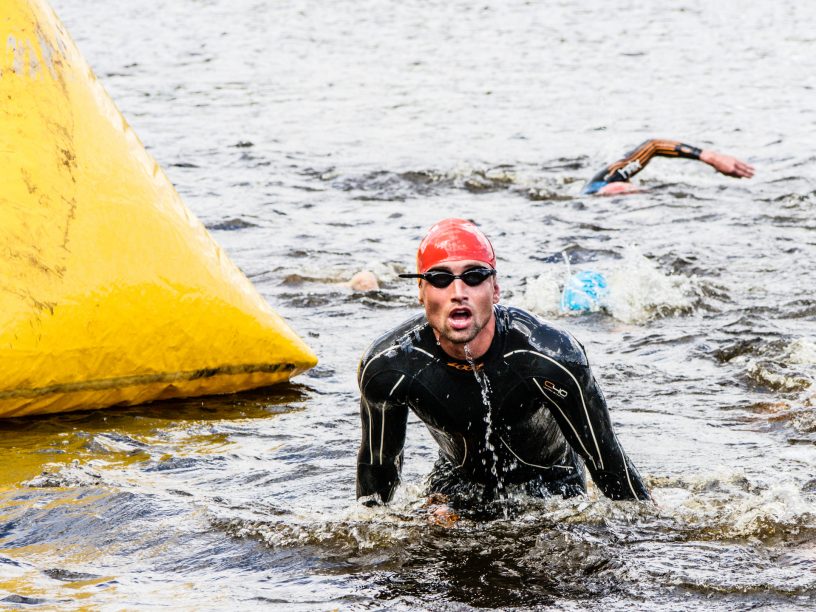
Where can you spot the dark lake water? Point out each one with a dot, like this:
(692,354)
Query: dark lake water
(318,139)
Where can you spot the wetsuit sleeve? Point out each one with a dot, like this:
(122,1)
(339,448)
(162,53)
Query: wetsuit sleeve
(580,409)
(637,159)
(384,421)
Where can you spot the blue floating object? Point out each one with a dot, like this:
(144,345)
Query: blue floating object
(584,291)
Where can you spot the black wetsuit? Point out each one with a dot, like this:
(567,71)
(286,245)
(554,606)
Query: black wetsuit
(519,420)
(636,160)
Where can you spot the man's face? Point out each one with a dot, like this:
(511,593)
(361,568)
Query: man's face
(459,313)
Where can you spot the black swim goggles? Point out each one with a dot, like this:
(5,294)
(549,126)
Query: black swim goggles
(441,279)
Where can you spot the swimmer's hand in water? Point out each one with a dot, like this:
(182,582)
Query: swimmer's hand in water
(371,501)
(618,188)
(364,280)
(725,164)
(439,513)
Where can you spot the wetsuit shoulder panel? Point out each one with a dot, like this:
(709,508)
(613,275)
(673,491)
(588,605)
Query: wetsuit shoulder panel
(528,331)
(392,347)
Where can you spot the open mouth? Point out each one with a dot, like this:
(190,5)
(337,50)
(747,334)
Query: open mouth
(460,318)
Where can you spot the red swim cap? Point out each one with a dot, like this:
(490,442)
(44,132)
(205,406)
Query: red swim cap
(453,240)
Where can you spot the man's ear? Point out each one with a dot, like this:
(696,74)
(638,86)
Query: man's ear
(496,290)
(421,294)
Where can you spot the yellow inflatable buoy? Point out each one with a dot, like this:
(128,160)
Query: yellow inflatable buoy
(111,291)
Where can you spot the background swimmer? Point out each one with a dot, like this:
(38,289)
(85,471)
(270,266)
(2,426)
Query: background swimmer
(364,280)
(614,178)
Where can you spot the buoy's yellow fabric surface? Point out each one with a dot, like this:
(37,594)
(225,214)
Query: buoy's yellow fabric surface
(111,291)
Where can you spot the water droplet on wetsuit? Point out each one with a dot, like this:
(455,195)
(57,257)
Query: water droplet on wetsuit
(488,419)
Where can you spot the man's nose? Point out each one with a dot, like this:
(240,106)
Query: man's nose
(458,289)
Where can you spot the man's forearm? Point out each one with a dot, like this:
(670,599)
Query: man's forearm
(612,471)
(379,460)
(377,481)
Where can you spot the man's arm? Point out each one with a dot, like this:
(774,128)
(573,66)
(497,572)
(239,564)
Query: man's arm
(624,169)
(636,160)
(581,412)
(613,471)
(379,460)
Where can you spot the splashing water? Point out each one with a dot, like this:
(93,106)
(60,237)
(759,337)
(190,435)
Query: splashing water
(484,384)
(638,290)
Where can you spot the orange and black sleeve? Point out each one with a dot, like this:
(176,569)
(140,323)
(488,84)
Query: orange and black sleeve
(637,159)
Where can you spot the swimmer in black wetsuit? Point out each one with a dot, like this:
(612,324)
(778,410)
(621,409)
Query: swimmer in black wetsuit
(510,400)
(614,179)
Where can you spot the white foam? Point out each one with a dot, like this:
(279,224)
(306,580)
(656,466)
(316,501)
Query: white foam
(803,352)
(74,474)
(790,369)
(638,290)
(542,294)
(386,272)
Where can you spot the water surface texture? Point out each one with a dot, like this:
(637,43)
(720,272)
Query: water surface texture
(316,139)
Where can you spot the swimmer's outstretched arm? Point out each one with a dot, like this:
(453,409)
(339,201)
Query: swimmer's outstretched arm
(635,161)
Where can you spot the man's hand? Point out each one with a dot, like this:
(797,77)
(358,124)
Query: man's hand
(370,501)
(725,164)
(443,516)
(439,513)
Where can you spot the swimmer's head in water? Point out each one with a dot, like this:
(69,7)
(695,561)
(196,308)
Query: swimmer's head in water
(454,240)
(604,188)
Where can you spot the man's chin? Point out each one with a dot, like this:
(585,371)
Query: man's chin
(460,336)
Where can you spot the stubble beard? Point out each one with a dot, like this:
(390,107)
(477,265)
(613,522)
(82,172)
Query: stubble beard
(458,338)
